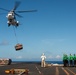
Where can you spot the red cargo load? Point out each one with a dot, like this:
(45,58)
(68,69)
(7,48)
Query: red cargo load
(18,47)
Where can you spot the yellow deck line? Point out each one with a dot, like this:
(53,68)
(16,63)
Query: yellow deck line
(57,71)
(65,71)
(71,71)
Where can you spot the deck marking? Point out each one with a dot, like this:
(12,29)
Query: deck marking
(57,71)
(38,70)
(65,71)
(71,71)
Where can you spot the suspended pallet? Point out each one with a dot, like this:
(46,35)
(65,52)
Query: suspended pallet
(18,47)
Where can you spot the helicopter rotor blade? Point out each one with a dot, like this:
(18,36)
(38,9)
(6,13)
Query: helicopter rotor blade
(17,3)
(26,11)
(4,9)
(2,13)
(18,15)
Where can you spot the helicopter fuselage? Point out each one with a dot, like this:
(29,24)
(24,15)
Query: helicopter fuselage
(11,16)
(12,19)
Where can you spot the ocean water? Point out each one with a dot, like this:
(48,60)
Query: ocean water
(55,62)
(49,62)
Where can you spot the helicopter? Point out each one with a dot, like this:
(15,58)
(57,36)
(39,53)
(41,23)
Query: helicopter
(11,16)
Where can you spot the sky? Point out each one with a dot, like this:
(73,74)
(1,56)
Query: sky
(51,30)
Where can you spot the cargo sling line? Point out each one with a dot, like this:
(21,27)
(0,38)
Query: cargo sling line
(15,34)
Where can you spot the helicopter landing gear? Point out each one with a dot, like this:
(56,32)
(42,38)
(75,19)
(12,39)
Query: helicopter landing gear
(17,24)
(8,25)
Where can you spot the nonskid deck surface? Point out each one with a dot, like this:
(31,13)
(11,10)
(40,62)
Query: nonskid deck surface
(36,69)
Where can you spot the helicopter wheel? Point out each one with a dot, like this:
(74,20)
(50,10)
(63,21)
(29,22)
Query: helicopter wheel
(8,24)
(17,24)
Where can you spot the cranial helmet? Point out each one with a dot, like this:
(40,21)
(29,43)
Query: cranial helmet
(43,54)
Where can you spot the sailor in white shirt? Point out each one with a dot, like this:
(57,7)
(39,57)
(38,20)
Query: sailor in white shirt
(43,57)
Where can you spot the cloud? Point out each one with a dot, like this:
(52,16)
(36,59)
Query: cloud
(48,42)
(4,43)
(49,57)
(58,57)
(53,57)
(61,40)
(19,57)
(52,42)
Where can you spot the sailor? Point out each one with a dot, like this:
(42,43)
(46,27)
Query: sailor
(74,60)
(43,57)
(71,60)
(65,60)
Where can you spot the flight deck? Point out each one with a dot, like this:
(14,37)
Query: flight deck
(36,69)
